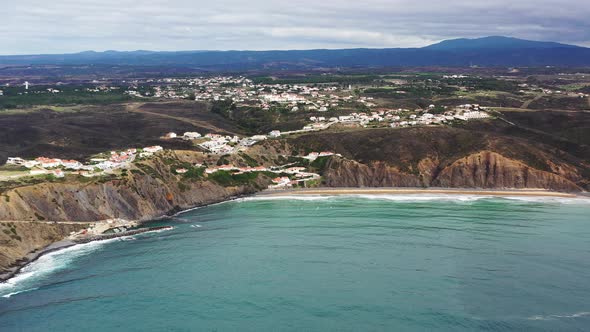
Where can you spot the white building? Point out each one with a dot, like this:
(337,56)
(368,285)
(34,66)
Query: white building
(258,137)
(72,164)
(153,149)
(58,173)
(191,135)
(473,115)
(15,161)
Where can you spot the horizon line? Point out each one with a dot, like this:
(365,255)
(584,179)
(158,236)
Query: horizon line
(276,49)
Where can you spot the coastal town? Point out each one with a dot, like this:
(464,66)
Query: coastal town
(218,144)
(247,92)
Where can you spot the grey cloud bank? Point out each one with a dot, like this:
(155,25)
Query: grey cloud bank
(60,26)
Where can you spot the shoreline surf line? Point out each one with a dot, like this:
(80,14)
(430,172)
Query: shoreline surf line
(417,191)
(67,243)
(35,255)
(31,257)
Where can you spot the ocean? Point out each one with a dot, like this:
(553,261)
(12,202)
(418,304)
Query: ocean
(346,263)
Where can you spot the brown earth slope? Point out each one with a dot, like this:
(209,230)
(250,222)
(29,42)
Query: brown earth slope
(147,192)
(17,239)
(446,157)
(94,129)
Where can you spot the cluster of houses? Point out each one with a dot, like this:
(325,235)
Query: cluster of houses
(188,136)
(57,167)
(244,92)
(401,117)
(531,88)
(295,174)
(223,144)
(226,144)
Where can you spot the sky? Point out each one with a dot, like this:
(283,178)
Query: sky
(67,26)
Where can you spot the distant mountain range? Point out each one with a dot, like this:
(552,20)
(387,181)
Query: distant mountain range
(487,51)
(494,42)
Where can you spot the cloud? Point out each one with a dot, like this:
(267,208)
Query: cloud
(58,26)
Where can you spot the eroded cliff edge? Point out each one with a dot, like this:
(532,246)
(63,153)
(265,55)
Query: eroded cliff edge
(425,157)
(446,157)
(486,170)
(149,190)
(34,216)
(17,239)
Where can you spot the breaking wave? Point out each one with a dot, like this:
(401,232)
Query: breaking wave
(426,197)
(550,317)
(45,265)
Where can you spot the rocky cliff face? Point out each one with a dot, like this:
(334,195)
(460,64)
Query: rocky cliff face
(141,198)
(491,170)
(141,195)
(348,173)
(485,169)
(147,192)
(17,239)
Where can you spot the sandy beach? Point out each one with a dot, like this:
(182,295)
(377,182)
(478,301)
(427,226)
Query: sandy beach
(415,191)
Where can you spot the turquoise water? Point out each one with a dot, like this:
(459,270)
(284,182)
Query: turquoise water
(324,264)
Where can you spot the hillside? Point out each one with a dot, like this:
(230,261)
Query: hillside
(494,42)
(473,156)
(87,130)
(491,51)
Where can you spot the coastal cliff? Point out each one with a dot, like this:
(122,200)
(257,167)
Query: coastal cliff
(445,157)
(149,191)
(492,170)
(486,169)
(34,216)
(138,198)
(430,157)
(17,239)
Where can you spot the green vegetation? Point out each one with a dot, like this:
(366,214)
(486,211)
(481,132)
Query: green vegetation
(149,171)
(194,173)
(223,160)
(490,84)
(228,179)
(10,231)
(318,79)
(320,163)
(18,97)
(183,187)
(223,108)
(249,160)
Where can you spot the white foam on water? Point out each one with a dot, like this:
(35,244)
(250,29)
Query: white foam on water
(290,197)
(7,296)
(196,226)
(159,230)
(474,198)
(28,276)
(204,206)
(551,317)
(426,197)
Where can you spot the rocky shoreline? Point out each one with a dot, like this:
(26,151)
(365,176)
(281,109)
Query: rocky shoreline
(63,244)
(34,255)
(418,191)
